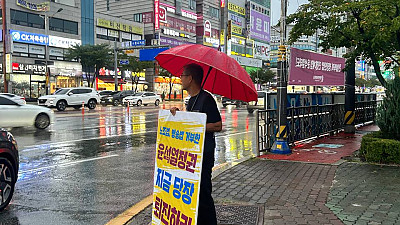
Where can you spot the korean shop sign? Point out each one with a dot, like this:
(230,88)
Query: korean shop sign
(119,26)
(30,38)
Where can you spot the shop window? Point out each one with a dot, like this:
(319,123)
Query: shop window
(214,12)
(61,25)
(192,4)
(27,19)
(138,17)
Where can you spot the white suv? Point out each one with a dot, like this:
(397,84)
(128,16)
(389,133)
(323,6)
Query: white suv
(71,97)
(144,98)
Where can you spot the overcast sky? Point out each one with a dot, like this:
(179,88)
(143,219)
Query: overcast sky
(276,8)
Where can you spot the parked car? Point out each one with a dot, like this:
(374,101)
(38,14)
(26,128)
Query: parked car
(226,101)
(16,98)
(144,98)
(116,98)
(14,114)
(9,165)
(105,93)
(74,97)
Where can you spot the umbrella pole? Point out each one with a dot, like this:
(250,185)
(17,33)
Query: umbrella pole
(208,73)
(202,85)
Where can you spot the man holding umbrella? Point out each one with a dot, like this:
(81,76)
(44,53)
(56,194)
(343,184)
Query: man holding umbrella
(202,101)
(224,77)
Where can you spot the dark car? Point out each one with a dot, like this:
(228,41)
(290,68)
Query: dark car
(9,165)
(105,93)
(115,98)
(226,101)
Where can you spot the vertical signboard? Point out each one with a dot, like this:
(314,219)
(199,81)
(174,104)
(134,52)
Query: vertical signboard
(260,26)
(177,172)
(156,14)
(8,63)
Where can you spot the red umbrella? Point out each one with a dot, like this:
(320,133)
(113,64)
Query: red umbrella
(225,76)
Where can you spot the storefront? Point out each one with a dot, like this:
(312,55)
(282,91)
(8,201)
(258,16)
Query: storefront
(65,74)
(162,86)
(28,80)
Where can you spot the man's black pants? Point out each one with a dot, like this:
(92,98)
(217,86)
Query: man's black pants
(207,214)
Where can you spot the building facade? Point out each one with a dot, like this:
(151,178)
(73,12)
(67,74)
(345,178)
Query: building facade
(38,36)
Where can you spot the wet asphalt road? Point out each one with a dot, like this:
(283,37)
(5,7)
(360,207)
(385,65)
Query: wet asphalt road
(88,169)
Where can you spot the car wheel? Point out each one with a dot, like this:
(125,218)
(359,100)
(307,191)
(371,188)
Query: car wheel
(7,182)
(92,104)
(224,105)
(157,102)
(139,103)
(42,121)
(115,102)
(61,105)
(145,104)
(77,107)
(250,110)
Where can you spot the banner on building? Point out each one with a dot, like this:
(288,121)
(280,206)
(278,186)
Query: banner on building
(177,173)
(260,26)
(41,7)
(309,68)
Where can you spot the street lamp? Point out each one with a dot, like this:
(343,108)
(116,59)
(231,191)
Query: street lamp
(46,28)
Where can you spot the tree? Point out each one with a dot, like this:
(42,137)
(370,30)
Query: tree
(367,83)
(372,27)
(262,76)
(164,73)
(92,58)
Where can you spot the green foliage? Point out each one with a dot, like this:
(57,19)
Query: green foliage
(91,57)
(367,83)
(371,27)
(262,76)
(388,116)
(375,148)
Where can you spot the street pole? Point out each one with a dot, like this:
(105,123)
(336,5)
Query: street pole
(281,145)
(3,7)
(350,97)
(46,28)
(115,67)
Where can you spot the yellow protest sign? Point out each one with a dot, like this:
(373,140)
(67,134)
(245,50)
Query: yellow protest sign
(177,173)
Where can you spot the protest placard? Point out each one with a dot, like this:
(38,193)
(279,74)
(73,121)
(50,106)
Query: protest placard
(177,172)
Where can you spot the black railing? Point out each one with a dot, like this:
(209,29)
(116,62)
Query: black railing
(307,122)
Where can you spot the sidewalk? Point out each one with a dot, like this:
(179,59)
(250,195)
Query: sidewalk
(307,187)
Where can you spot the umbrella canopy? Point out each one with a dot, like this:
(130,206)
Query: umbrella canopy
(226,77)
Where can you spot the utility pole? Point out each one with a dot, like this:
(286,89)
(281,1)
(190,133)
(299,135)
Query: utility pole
(3,12)
(115,67)
(281,145)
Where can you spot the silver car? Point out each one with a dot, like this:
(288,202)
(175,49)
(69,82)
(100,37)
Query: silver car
(142,98)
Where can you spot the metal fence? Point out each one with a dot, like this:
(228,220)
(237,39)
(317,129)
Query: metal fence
(309,122)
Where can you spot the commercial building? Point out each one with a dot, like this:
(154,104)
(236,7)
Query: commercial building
(38,35)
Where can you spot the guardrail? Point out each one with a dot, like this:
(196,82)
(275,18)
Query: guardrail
(309,122)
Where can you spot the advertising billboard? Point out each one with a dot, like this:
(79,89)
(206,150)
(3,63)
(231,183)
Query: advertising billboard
(260,26)
(309,68)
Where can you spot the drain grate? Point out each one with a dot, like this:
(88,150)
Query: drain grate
(238,214)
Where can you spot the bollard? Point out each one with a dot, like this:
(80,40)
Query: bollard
(83,108)
(163,104)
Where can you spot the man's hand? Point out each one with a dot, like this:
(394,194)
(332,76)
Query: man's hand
(173,110)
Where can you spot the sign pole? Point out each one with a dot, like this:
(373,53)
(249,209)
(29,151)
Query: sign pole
(281,145)
(3,6)
(115,67)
